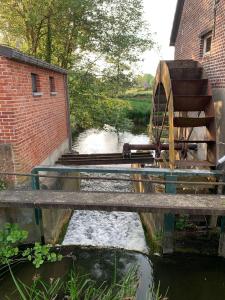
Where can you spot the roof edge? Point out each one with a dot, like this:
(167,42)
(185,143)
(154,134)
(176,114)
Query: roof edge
(176,22)
(19,56)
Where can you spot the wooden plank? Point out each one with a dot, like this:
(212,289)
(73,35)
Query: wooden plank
(131,202)
(192,122)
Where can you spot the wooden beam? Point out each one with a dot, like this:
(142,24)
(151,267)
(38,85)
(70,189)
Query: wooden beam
(130,202)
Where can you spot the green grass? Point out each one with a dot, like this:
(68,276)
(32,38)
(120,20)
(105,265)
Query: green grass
(137,92)
(140,103)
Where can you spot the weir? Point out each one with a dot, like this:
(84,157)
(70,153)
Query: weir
(167,204)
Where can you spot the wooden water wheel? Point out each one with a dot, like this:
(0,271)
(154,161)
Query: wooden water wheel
(183,116)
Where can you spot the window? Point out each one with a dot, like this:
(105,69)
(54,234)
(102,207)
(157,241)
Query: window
(34,82)
(207,43)
(52,85)
(35,85)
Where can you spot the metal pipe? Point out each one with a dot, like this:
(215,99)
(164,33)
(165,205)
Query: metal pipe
(117,179)
(180,146)
(68,111)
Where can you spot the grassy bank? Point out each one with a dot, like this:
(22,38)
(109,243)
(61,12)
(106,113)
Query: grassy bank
(140,103)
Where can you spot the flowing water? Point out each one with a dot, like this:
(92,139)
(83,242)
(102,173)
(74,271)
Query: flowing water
(103,229)
(118,230)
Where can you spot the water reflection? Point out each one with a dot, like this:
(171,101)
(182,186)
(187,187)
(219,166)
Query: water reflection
(99,141)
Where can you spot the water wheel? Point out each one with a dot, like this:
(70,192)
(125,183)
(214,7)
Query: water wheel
(183,116)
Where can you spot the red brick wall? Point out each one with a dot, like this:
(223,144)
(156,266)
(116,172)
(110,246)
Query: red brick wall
(197,17)
(35,126)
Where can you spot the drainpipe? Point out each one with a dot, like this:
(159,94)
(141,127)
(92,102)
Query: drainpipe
(215,16)
(68,112)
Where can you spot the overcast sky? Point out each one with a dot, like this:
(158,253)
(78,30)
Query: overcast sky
(160,14)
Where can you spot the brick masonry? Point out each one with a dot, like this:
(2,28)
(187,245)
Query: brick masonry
(199,17)
(34,126)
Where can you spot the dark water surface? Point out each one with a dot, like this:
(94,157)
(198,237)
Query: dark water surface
(186,277)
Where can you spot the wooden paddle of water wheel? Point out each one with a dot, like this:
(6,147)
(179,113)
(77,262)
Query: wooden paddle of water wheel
(183,116)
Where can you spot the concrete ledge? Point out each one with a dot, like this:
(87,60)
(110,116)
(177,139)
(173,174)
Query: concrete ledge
(131,202)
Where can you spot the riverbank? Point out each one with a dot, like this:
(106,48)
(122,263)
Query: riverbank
(140,102)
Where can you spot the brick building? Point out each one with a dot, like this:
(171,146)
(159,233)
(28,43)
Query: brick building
(34,112)
(198,34)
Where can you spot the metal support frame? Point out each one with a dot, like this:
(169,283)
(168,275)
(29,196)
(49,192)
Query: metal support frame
(169,219)
(168,174)
(122,170)
(38,211)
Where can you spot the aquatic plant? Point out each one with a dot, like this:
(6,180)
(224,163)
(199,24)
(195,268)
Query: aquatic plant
(183,223)
(73,286)
(3,185)
(155,293)
(11,236)
(76,287)
(82,287)
(38,290)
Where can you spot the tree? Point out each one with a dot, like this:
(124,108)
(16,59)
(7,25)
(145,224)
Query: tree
(65,31)
(91,108)
(145,81)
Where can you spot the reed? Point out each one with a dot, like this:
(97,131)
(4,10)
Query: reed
(76,287)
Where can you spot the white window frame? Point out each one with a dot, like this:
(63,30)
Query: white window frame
(205,39)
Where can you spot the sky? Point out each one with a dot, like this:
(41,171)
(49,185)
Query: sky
(160,14)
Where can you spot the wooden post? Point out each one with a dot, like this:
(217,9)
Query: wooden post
(169,219)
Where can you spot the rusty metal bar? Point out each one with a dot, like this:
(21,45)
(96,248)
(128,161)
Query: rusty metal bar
(115,179)
(180,146)
(105,159)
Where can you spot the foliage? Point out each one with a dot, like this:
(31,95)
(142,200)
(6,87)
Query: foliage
(2,185)
(140,111)
(156,242)
(91,108)
(11,236)
(145,81)
(66,31)
(41,253)
(39,289)
(140,105)
(183,222)
(78,287)
(155,294)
